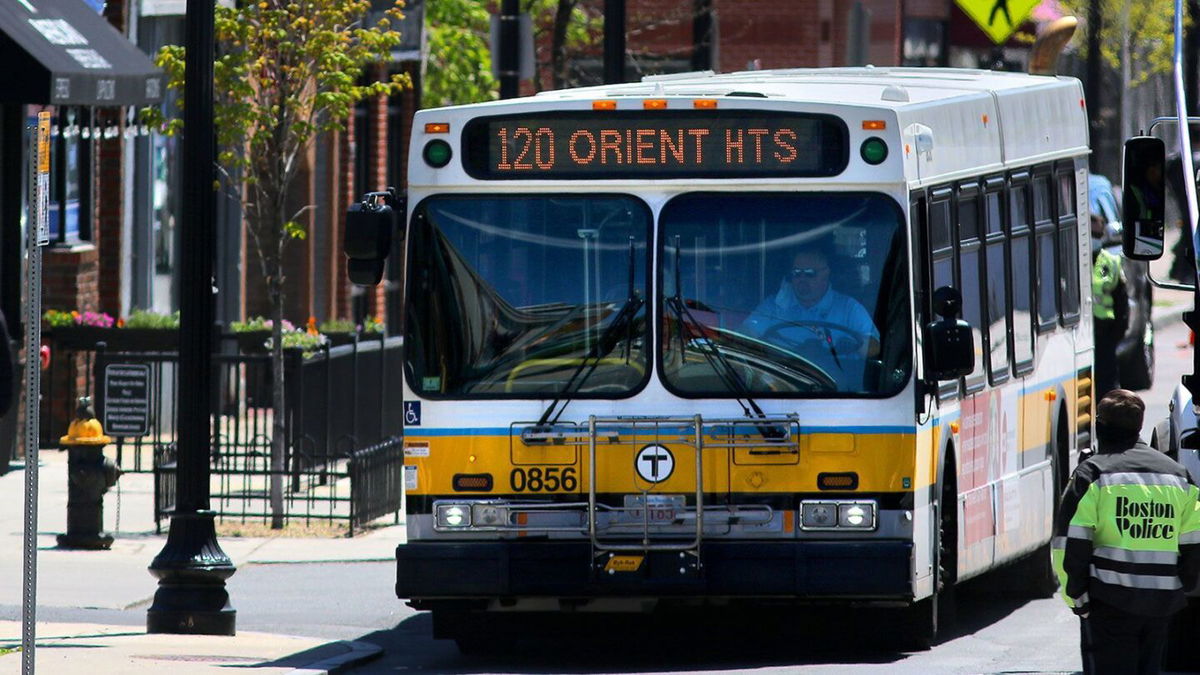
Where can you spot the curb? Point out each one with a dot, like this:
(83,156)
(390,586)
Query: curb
(356,653)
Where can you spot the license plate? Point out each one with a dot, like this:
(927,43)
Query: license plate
(657,509)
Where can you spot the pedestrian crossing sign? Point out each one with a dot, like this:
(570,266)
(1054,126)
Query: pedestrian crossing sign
(999,19)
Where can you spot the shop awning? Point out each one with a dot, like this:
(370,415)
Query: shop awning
(62,52)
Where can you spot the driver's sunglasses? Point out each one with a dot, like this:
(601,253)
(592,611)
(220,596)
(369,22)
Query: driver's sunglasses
(807,272)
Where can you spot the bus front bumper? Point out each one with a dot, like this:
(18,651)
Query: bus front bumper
(847,570)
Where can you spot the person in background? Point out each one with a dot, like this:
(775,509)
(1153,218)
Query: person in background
(1110,310)
(1126,543)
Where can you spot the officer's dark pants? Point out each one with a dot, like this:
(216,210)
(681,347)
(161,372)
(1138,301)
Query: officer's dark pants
(1107,336)
(1114,642)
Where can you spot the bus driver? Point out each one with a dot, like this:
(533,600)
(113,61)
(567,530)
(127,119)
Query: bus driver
(808,317)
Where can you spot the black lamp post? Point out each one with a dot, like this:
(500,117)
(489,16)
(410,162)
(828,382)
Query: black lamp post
(509,51)
(192,568)
(614,41)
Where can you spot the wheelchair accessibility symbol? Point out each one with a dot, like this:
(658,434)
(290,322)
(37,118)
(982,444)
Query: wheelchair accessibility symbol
(412,413)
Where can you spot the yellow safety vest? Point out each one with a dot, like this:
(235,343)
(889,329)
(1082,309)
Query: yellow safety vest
(1106,274)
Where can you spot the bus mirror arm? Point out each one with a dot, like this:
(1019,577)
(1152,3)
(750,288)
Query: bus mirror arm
(950,346)
(370,225)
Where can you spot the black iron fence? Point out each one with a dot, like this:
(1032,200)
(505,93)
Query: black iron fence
(341,458)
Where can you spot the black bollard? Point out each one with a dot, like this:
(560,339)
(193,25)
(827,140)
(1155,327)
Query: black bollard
(89,475)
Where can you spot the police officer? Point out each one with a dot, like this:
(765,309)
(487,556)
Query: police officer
(1126,543)
(1110,310)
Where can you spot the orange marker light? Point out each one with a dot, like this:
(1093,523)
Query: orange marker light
(954,427)
(604,105)
(437,128)
(1051,395)
(985,120)
(874,125)
(654,104)
(704,103)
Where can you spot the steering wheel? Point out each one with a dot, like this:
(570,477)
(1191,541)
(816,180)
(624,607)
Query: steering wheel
(824,328)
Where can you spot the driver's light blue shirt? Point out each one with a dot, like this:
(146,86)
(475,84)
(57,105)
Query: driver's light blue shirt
(833,308)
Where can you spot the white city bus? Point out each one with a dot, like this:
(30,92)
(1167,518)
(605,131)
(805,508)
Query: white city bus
(675,341)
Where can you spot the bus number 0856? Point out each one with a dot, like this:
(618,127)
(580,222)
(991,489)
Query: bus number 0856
(538,479)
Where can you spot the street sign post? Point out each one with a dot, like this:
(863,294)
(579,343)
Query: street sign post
(999,19)
(37,234)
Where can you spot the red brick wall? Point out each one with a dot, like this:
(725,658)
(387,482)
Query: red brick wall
(71,278)
(107,231)
(927,9)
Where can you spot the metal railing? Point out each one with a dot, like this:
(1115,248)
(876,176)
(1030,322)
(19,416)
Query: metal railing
(342,459)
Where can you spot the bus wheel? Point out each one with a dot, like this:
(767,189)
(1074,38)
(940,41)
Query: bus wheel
(475,633)
(932,617)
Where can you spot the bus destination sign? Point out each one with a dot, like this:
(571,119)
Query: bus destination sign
(685,144)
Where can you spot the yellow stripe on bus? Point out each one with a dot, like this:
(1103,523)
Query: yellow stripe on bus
(883,462)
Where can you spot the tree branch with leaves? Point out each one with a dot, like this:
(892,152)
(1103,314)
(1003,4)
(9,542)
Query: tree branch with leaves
(286,71)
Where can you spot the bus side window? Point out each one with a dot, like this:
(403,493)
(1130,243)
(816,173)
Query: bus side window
(1021,270)
(996,288)
(941,257)
(1068,248)
(970,277)
(1044,248)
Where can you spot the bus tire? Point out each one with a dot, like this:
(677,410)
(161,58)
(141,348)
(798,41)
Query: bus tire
(474,632)
(934,616)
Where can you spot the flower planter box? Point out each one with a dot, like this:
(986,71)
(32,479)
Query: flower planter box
(252,341)
(115,339)
(339,339)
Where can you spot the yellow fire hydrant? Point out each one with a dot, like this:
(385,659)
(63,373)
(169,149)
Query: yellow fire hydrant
(89,475)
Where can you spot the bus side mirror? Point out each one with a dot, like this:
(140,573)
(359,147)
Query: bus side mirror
(950,345)
(368,235)
(1144,198)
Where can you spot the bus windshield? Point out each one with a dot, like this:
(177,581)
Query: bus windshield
(770,294)
(520,296)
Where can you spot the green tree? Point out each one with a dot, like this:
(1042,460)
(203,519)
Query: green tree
(460,56)
(573,30)
(460,59)
(1151,40)
(286,71)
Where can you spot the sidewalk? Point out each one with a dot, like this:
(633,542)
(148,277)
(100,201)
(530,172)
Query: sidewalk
(67,578)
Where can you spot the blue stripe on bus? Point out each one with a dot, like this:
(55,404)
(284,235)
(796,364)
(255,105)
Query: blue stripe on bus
(505,431)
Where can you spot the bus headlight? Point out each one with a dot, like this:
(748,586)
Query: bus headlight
(836,514)
(489,515)
(453,515)
(818,515)
(857,516)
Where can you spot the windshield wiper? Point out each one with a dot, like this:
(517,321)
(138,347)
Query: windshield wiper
(604,344)
(716,359)
(832,350)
